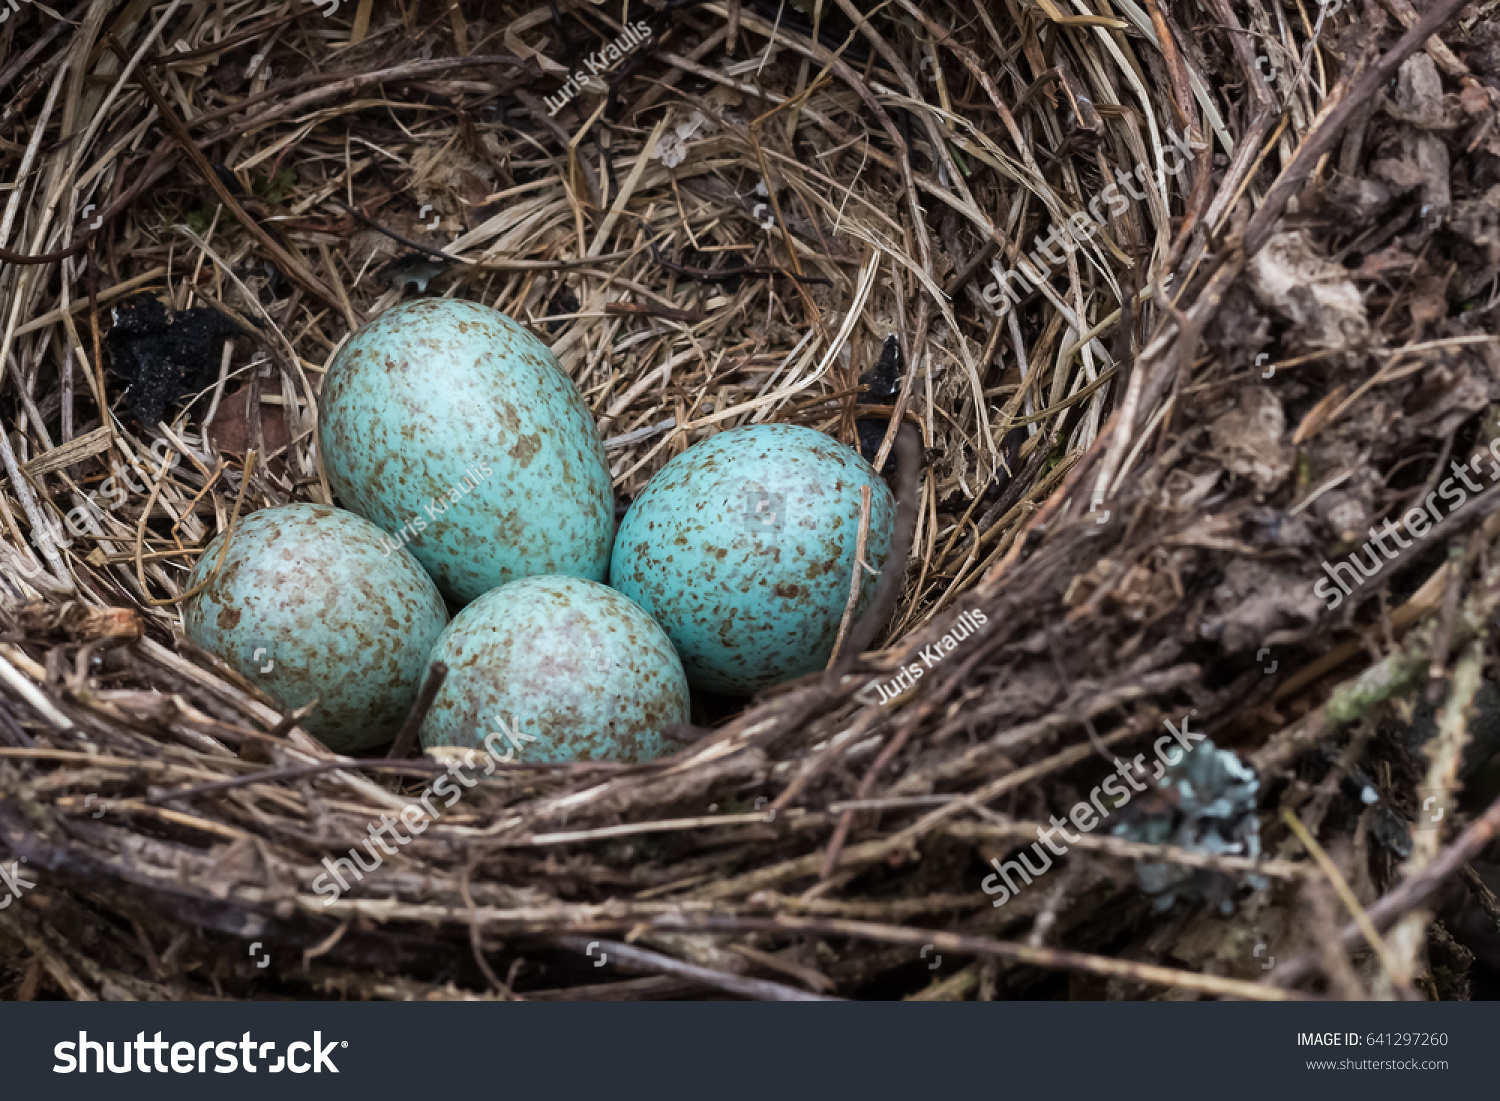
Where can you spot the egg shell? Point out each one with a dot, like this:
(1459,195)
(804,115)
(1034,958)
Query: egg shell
(454,429)
(742,548)
(572,664)
(308,604)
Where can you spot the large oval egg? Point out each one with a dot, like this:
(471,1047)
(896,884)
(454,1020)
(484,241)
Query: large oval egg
(454,429)
(557,669)
(742,548)
(312,602)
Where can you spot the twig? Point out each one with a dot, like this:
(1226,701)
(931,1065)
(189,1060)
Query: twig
(407,738)
(630,958)
(893,574)
(958,944)
(856,575)
(290,264)
(1405,898)
(1340,885)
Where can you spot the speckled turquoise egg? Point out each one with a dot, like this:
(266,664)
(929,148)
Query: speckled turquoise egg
(454,429)
(313,602)
(742,548)
(557,669)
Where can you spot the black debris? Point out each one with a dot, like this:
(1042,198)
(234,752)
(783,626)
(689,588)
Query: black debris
(164,356)
(414,268)
(883,381)
(880,385)
(564,302)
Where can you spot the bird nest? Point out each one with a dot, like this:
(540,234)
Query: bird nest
(1148,311)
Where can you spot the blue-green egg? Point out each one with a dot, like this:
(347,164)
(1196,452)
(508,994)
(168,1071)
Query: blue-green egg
(557,669)
(742,548)
(454,429)
(312,602)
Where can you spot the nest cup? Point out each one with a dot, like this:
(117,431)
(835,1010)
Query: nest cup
(1122,412)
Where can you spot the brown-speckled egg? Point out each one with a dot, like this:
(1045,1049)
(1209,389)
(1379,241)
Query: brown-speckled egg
(742,548)
(454,429)
(313,602)
(557,669)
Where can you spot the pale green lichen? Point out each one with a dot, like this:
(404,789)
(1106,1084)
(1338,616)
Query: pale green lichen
(1357,698)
